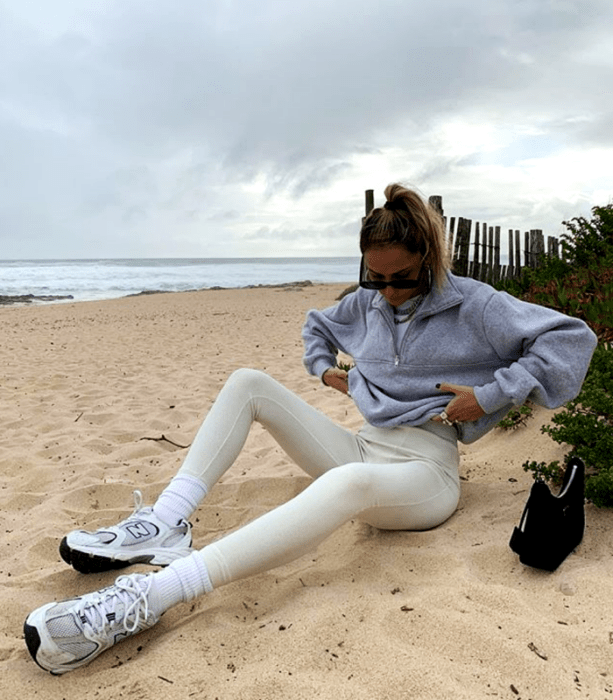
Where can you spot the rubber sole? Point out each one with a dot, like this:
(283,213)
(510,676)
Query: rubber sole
(86,563)
(32,640)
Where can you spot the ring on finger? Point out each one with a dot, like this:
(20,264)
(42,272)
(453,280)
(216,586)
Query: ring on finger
(445,418)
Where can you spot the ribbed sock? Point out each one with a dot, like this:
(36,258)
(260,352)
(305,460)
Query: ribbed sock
(181,581)
(179,499)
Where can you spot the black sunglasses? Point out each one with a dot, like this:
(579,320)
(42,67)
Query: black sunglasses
(382,284)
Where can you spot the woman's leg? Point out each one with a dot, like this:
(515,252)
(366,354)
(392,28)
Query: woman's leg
(308,436)
(406,496)
(161,534)
(412,495)
(416,495)
(311,439)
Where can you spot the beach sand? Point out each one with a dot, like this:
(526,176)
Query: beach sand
(87,392)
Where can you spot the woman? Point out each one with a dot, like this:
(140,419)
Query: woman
(437,358)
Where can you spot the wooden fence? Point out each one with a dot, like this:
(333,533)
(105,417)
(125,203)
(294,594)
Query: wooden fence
(485,246)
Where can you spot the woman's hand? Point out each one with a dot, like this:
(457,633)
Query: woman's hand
(337,379)
(463,407)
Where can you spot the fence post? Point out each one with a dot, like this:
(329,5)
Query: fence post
(490,254)
(476,266)
(436,202)
(370,201)
(510,269)
(517,254)
(450,237)
(540,245)
(462,246)
(483,270)
(496,276)
(537,246)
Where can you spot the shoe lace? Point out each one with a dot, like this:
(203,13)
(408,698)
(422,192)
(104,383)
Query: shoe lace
(138,501)
(125,603)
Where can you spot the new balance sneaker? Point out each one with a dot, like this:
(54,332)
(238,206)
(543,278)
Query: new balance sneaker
(140,539)
(64,636)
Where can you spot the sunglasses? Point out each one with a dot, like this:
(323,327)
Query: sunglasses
(382,284)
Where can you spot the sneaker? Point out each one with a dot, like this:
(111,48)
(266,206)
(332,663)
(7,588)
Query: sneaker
(64,636)
(140,539)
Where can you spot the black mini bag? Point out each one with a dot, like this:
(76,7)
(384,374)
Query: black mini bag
(552,526)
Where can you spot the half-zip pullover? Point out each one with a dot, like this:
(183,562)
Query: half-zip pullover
(466,333)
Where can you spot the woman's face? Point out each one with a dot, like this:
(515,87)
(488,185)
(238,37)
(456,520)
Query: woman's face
(390,263)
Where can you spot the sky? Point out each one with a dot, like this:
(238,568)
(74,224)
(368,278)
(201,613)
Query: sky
(252,128)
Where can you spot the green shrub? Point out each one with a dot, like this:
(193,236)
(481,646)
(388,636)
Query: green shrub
(588,240)
(580,284)
(586,425)
(516,417)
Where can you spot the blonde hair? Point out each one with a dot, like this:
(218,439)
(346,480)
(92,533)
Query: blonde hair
(407,220)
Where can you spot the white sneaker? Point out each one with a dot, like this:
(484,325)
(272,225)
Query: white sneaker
(64,636)
(140,539)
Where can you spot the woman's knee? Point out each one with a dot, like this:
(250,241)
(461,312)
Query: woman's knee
(352,481)
(249,379)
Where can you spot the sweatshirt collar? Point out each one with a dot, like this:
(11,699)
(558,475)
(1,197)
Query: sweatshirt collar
(435,301)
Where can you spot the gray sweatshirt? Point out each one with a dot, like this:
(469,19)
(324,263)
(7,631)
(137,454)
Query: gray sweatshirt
(465,333)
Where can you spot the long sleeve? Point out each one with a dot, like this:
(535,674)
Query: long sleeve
(325,333)
(466,333)
(551,354)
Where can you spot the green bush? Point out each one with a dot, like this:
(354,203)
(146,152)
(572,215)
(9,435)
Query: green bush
(516,417)
(588,240)
(586,425)
(580,284)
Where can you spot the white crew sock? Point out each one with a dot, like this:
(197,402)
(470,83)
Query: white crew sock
(179,499)
(180,582)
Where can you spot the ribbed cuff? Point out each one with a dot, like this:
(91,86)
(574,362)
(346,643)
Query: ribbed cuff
(491,398)
(320,367)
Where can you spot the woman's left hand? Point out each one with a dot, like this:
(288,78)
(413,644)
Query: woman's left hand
(463,407)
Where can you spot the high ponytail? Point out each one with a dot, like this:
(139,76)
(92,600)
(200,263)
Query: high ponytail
(407,220)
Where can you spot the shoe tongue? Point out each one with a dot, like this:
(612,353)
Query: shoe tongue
(154,596)
(111,603)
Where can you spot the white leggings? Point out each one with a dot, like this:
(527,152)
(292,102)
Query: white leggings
(402,478)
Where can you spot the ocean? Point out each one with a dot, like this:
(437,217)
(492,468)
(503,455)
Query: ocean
(88,280)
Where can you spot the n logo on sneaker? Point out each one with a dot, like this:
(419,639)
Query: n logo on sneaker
(140,529)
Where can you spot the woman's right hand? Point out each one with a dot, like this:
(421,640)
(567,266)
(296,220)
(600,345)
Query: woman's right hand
(337,379)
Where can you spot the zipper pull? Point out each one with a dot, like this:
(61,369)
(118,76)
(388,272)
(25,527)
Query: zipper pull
(396,360)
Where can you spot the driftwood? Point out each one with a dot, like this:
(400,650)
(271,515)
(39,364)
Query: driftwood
(165,439)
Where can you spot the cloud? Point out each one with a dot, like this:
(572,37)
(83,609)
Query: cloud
(154,127)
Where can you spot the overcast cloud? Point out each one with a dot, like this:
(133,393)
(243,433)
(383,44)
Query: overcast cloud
(252,127)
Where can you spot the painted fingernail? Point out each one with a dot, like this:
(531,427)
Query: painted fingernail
(438,386)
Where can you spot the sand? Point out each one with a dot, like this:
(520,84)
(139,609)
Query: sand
(89,390)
